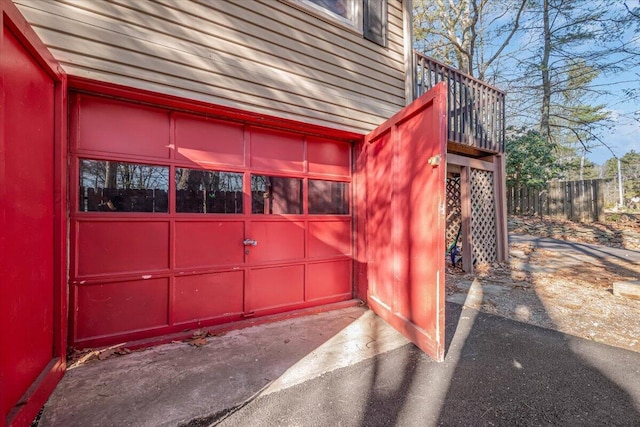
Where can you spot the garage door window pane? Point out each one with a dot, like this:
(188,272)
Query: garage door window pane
(276,195)
(200,191)
(110,186)
(328,197)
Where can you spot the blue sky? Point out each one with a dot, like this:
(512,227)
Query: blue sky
(625,136)
(625,111)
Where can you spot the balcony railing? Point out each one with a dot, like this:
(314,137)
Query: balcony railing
(476,110)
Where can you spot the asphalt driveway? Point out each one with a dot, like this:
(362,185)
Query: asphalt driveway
(496,372)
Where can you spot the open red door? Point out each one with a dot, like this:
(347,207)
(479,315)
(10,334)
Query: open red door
(405,220)
(32,220)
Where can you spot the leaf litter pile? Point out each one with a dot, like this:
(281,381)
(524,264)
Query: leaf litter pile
(199,338)
(571,294)
(77,358)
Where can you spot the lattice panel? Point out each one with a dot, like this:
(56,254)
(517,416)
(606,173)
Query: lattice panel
(454,216)
(483,217)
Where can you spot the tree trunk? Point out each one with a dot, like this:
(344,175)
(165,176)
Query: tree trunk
(545,130)
(110,174)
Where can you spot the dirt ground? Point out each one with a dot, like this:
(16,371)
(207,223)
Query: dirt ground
(574,298)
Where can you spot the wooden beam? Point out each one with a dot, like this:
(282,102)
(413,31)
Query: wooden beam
(470,162)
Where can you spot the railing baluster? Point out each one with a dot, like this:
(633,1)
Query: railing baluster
(465,109)
(450,100)
(459,107)
(496,124)
(460,112)
(503,126)
(485,114)
(467,117)
(474,116)
(494,121)
(479,115)
(423,67)
(485,118)
(453,87)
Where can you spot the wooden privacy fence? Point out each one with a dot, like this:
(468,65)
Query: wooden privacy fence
(573,200)
(123,200)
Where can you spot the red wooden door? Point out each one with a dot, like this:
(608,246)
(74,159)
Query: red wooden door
(32,222)
(405,207)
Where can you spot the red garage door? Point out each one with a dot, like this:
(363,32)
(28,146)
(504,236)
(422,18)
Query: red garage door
(32,150)
(181,221)
(405,160)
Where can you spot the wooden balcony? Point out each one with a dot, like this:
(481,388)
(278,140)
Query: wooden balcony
(476,110)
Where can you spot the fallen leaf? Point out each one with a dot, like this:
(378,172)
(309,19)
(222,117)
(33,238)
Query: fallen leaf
(198,342)
(105,354)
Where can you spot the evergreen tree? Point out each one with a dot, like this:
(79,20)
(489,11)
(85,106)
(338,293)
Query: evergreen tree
(530,159)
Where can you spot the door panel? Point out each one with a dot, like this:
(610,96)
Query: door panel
(122,127)
(276,151)
(277,241)
(208,296)
(329,238)
(202,141)
(275,287)
(406,169)
(31,347)
(208,243)
(112,308)
(380,232)
(328,279)
(328,156)
(124,246)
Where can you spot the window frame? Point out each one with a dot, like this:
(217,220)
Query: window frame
(355,25)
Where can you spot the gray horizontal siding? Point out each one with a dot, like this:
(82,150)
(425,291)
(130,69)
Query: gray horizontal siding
(263,56)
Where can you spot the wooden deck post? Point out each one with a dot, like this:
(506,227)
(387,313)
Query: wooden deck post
(500,188)
(465,210)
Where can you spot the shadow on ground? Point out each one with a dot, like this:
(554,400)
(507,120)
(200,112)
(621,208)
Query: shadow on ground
(349,368)
(497,372)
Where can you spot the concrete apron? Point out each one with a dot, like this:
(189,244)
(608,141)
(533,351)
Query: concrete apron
(174,383)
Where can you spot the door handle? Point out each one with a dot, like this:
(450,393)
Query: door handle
(249,242)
